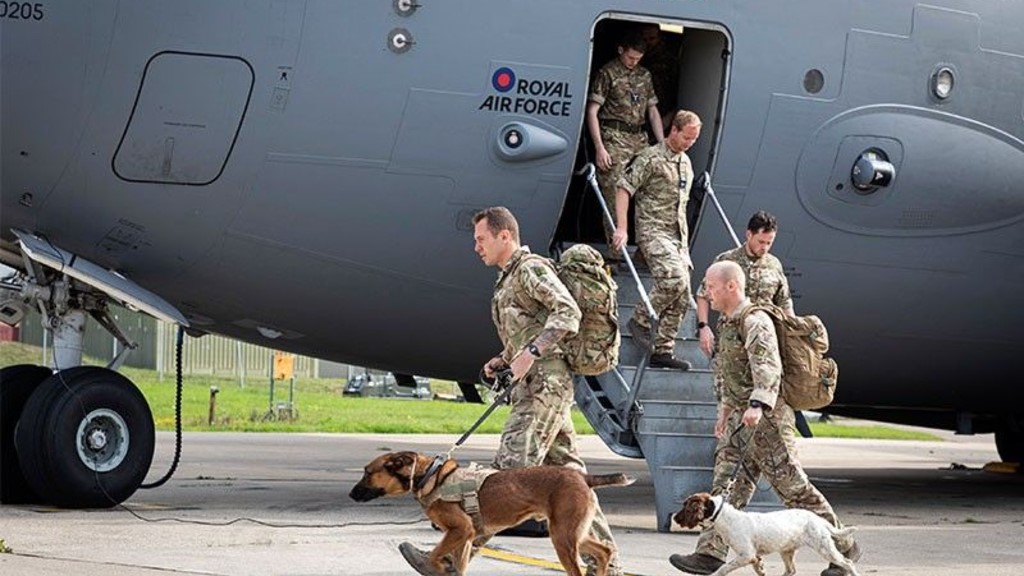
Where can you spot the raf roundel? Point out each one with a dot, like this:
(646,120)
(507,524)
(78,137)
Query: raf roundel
(503,79)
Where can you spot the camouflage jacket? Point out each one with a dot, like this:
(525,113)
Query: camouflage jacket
(528,298)
(766,281)
(660,181)
(623,94)
(747,368)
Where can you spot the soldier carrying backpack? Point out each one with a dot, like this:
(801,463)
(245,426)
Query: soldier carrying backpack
(808,377)
(754,424)
(537,318)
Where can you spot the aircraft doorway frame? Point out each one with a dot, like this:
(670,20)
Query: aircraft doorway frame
(704,54)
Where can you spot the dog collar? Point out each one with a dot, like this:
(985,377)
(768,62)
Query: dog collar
(719,504)
(434,467)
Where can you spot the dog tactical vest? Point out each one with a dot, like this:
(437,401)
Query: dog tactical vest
(808,377)
(462,486)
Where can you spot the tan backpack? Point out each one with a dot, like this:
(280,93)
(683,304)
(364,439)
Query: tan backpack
(595,348)
(808,377)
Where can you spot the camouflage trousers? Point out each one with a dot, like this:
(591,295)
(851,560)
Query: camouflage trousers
(670,265)
(622,147)
(539,431)
(770,451)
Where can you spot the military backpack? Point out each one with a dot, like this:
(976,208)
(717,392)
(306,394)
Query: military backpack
(808,377)
(595,348)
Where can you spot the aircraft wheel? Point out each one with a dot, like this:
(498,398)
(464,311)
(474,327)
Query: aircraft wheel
(1010,440)
(16,385)
(86,438)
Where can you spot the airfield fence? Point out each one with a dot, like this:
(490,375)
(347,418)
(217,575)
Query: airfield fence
(207,355)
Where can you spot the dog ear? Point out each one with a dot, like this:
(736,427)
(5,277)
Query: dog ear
(690,515)
(709,508)
(399,460)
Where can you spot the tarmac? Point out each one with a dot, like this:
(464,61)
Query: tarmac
(277,504)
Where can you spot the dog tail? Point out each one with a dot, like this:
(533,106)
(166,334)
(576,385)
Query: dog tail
(841,532)
(597,481)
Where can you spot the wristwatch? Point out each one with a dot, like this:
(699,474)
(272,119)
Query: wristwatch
(757,404)
(701,325)
(533,350)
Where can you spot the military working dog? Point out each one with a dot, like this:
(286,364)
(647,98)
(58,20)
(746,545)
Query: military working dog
(753,534)
(505,498)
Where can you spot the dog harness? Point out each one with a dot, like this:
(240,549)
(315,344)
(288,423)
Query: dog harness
(462,486)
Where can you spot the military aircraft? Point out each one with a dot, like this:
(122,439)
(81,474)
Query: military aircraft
(282,172)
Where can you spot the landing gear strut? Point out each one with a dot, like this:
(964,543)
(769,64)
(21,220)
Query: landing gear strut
(83,436)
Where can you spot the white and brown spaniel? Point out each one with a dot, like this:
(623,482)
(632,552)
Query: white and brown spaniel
(752,535)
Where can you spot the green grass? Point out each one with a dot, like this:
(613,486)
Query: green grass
(322,408)
(872,431)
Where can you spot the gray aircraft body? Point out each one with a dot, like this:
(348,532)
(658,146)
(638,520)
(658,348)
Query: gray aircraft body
(303,174)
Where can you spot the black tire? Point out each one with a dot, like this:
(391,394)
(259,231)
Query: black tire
(1010,440)
(16,385)
(65,410)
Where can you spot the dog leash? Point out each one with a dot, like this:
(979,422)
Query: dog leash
(741,445)
(502,381)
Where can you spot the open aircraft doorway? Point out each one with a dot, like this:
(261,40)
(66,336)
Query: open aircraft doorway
(689,65)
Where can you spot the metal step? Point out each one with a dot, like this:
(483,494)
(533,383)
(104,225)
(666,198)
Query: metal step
(671,422)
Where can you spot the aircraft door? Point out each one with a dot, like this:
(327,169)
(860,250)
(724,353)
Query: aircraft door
(688,63)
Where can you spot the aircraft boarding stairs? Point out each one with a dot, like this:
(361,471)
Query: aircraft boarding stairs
(667,417)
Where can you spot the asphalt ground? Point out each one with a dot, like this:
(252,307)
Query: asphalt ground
(277,504)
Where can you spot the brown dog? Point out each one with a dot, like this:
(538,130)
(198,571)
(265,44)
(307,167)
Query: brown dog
(507,498)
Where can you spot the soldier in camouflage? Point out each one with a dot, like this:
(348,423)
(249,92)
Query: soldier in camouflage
(766,280)
(753,428)
(533,312)
(766,284)
(660,178)
(621,94)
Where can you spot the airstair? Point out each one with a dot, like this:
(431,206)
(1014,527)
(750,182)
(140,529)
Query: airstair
(665,416)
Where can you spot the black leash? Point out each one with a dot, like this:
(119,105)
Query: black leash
(741,445)
(502,381)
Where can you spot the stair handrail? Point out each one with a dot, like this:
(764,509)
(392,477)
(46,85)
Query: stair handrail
(706,185)
(590,172)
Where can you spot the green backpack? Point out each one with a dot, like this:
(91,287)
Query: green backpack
(808,377)
(595,348)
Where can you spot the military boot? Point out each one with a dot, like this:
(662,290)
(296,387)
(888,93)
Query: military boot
(641,334)
(666,360)
(420,561)
(696,563)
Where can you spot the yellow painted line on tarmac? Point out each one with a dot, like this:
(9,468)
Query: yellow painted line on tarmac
(520,559)
(514,558)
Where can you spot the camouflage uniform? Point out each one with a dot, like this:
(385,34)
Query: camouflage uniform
(766,284)
(660,180)
(624,96)
(529,298)
(766,281)
(750,369)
